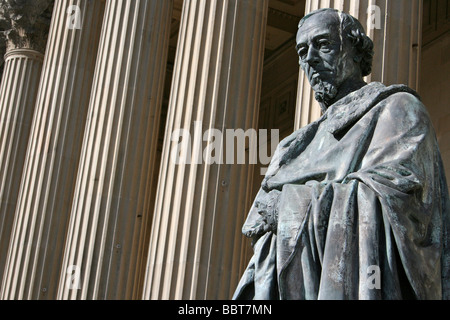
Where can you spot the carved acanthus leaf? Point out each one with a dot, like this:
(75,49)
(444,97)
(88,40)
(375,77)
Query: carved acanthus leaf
(2,52)
(3,27)
(25,23)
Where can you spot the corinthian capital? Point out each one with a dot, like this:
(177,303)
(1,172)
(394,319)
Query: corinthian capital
(3,27)
(25,23)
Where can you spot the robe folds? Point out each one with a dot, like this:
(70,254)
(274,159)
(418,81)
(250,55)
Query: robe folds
(362,207)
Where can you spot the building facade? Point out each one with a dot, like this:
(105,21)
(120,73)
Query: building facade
(117,179)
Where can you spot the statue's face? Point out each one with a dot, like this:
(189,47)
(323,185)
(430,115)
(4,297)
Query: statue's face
(325,56)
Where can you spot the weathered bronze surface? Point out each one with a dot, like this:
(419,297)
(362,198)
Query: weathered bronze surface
(354,205)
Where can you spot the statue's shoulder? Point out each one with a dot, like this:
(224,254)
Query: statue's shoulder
(404,99)
(403,90)
(395,99)
(405,109)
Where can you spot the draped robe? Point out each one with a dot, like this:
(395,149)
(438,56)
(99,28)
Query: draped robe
(363,206)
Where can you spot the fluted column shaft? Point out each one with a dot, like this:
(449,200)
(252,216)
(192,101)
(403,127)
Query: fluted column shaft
(24,40)
(196,243)
(395,26)
(111,205)
(48,180)
(18,92)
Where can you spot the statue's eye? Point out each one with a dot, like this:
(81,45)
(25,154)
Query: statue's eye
(324,45)
(303,52)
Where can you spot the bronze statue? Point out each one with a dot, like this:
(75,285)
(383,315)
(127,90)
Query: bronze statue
(356,204)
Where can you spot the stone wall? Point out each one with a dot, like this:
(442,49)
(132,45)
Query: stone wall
(434,85)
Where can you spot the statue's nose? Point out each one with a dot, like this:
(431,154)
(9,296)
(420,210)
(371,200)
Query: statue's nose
(313,57)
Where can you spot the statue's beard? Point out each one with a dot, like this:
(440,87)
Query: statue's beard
(325,93)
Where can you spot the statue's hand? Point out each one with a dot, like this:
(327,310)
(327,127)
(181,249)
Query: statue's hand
(268,210)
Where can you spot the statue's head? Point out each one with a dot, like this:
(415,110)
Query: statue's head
(334,53)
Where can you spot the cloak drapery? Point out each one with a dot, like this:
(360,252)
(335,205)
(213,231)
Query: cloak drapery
(362,205)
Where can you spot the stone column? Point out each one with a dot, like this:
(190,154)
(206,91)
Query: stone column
(2,53)
(48,179)
(396,29)
(26,30)
(111,202)
(203,199)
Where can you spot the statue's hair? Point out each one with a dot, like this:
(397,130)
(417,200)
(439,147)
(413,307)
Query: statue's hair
(355,32)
